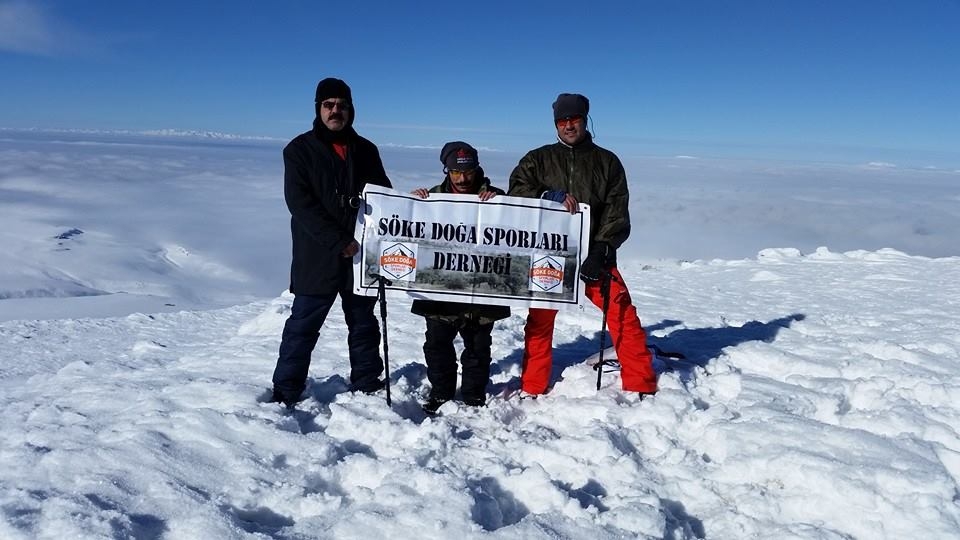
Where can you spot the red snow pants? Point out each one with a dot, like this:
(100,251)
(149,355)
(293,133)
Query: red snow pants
(629,340)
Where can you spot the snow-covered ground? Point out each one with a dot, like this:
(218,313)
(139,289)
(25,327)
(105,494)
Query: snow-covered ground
(818,398)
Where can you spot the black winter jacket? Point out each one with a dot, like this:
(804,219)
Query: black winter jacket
(454,312)
(318,187)
(592,174)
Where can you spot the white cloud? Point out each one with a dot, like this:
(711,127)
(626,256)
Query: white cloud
(880,165)
(428,128)
(28,28)
(431,147)
(409,146)
(25,28)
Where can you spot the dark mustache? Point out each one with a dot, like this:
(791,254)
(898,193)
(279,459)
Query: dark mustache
(336,116)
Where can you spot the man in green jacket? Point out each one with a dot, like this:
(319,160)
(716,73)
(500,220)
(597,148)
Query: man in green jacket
(474,322)
(571,171)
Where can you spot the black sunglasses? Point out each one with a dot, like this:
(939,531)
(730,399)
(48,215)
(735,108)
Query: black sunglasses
(330,105)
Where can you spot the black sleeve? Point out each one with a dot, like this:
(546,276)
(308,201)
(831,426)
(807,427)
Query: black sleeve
(305,205)
(613,225)
(373,171)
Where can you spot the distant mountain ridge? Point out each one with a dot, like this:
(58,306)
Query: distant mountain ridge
(192,133)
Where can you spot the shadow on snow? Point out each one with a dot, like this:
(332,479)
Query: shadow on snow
(698,346)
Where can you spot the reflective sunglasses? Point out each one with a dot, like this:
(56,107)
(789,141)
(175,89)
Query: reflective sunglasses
(570,120)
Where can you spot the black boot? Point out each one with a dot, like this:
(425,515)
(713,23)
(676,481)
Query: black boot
(475,401)
(277,397)
(432,405)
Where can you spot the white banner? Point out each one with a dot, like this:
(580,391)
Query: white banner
(507,251)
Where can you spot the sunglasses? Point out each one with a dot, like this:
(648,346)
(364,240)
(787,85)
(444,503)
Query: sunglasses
(570,120)
(331,105)
(462,174)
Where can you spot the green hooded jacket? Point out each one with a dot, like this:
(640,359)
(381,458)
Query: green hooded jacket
(590,173)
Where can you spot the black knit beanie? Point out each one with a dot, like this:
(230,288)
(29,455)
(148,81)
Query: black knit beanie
(459,156)
(332,88)
(568,105)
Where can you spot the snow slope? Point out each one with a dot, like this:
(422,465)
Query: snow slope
(818,400)
(139,327)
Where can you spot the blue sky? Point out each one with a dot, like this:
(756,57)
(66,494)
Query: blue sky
(832,80)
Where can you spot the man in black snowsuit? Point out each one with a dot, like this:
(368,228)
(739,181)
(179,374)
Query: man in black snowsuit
(474,322)
(325,170)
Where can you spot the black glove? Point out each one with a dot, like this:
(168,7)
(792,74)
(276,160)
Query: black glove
(554,195)
(596,263)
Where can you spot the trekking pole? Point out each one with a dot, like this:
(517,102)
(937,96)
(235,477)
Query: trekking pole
(382,282)
(605,294)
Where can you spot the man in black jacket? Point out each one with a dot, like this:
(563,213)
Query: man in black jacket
(570,171)
(325,170)
(474,322)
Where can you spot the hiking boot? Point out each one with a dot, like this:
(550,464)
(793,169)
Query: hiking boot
(527,395)
(475,401)
(372,388)
(432,405)
(277,397)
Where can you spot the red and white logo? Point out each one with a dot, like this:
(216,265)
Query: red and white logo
(546,274)
(399,261)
